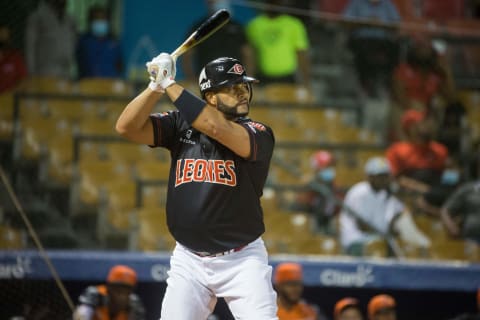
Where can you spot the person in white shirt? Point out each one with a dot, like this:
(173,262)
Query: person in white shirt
(370,211)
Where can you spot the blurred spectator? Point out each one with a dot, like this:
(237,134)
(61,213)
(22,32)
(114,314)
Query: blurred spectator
(281,46)
(12,65)
(229,41)
(347,309)
(98,51)
(320,197)
(375,49)
(288,281)
(419,157)
(453,133)
(382,307)
(442,11)
(114,300)
(50,40)
(432,198)
(471,316)
(371,211)
(418,81)
(461,212)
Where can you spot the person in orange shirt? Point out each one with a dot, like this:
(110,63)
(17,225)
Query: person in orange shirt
(114,300)
(419,158)
(382,307)
(288,282)
(347,309)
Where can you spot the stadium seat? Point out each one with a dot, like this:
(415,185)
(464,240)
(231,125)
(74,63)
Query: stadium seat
(377,248)
(281,175)
(154,196)
(97,176)
(121,205)
(262,114)
(432,227)
(45,84)
(286,133)
(152,170)
(67,109)
(286,93)
(11,238)
(36,134)
(153,234)
(104,86)
(98,127)
(60,159)
(129,153)
(6,117)
(455,250)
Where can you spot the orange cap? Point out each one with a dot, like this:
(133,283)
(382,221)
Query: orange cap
(120,274)
(342,304)
(288,271)
(379,302)
(411,117)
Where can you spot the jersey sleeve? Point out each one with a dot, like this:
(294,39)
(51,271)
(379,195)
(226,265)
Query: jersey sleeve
(137,309)
(90,297)
(164,128)
(262,140)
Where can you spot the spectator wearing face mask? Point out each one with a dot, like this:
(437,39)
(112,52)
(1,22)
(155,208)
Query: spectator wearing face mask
(371,211)
(98,51)
(434,197)
(320,196)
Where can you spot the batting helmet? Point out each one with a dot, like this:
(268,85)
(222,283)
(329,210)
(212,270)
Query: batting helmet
(223,72)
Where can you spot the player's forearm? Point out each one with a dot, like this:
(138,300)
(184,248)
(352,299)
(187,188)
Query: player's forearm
(137,112)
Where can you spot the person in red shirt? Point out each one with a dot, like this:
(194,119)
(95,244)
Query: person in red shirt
(12,65)
(424,76)
(288,281)
(419,157)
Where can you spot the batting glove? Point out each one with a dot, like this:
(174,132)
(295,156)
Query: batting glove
(162,71)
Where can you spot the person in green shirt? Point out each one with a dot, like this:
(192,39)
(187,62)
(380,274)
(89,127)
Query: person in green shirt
(281,45)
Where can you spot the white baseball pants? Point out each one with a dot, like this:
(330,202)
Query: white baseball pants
(242,278)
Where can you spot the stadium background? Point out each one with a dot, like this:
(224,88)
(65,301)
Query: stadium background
(51,175)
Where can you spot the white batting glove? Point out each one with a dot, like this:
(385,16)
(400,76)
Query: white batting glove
(162,71)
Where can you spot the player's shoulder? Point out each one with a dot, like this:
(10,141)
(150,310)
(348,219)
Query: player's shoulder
(255,125)
(92,296)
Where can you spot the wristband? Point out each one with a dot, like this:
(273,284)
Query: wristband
(189,106)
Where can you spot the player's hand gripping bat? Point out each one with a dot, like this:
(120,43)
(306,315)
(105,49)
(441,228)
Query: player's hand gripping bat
(205,30)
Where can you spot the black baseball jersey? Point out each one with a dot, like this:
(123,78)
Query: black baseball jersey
(213,199)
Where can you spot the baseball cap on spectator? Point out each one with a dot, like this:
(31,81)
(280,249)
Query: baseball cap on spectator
(288,271)
(321,159)
(122,275)
(343,304)
(379,303)
(377,165)
(411,117)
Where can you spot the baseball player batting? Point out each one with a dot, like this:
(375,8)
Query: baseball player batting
(219,163)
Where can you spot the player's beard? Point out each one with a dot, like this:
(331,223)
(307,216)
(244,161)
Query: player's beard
(232,111)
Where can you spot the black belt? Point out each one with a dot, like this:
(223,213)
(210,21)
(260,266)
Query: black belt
(205,254)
